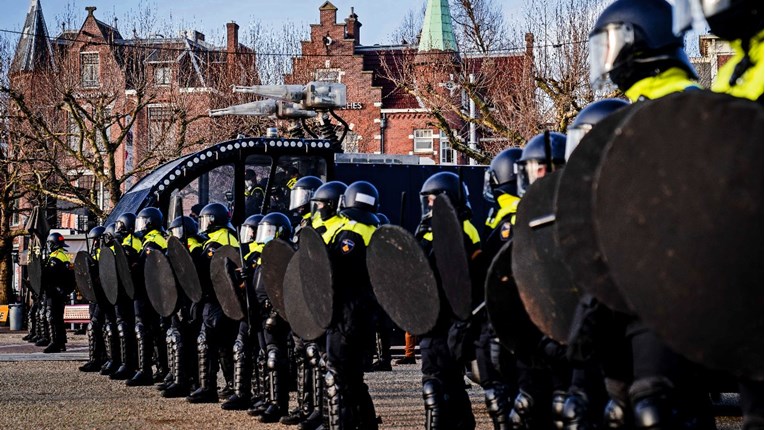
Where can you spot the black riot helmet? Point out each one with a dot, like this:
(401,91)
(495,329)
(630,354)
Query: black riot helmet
(149,219)
(272,226)
(125,224)
(301,193)
(95,238)
(56,241)
(213,217)
(728,19)
(633,40)
(501,176)
(249,228)
(543,153)
(109,235)
(329,195)
(184,227)
(444,183)
(587,118)
(360,203)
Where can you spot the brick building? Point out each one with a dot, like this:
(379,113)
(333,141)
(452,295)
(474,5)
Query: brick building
(150,86)
(384,117)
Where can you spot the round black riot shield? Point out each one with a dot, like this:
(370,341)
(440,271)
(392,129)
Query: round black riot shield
(678,213)
(123,270)
(161,287)
(34,270)
(505,308)
(275,258)
(316,276)
(543,282)
(223,267)
(451,257)
(574,230)
(83,277)
(107,272)
(298,314)
(184,269)
(398,268)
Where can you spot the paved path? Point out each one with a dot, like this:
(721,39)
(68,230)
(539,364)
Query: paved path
(40,391)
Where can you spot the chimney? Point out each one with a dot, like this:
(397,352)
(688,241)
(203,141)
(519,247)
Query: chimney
(90,10)
(529,37)
(232,40)
(352,28)
(327,14)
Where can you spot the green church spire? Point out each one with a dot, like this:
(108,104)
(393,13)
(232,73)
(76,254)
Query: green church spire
(437,31)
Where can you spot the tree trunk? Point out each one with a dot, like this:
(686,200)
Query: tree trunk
(6,271)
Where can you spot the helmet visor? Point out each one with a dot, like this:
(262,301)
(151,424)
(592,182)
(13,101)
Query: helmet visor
(177,231)
(141,223)
(574,135)
(247,234)
(300,197)
(426,203)
(605,48)
(205,221)
(120,226)
(266,233)
(488,179)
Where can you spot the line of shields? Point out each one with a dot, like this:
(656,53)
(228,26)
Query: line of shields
(657,213)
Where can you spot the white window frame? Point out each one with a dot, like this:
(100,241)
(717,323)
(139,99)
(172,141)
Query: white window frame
(446,150)
(89,70)
(163,76)
(423,136)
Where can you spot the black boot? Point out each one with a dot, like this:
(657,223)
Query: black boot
(208,373)
(170,376)
(179,387)
(226,358)
(279,394)
(259,378)
(242,397)
(162,360)
(143,377)
(498,406)
(113,350)
(127,352)
(95,355)
(304,392)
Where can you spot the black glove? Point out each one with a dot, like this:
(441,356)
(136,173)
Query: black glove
(461,341)
(552,350)
(591,319)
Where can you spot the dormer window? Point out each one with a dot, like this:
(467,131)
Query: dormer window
(89,69)
(162,76)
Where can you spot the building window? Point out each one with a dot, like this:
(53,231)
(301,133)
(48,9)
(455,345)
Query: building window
(423,140)
(161,131)
(162,76)
(89,69)
(329,75)
(448,155)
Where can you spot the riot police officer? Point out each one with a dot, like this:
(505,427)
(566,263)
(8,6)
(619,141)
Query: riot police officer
(447,405)
(148,327)
(310,356)
(185,323)
(632,45)
(543,373)
(496,365)
(275,330)
(124,229)
(350,405)
(96,348)
(58,277)
(217,333)
(247,343)
(254,193)
(300,200)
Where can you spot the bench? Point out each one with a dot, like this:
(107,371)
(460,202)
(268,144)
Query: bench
(77,314)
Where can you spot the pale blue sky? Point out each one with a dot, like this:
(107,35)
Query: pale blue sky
(379,18)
